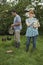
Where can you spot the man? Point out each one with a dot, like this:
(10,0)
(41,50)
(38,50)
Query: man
(17,28)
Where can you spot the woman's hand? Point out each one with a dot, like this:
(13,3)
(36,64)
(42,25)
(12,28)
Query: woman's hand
(28,24)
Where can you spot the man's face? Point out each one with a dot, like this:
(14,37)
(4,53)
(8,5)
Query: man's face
(14,13)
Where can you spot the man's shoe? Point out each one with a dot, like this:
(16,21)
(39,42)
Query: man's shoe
(27,49)
(18,45)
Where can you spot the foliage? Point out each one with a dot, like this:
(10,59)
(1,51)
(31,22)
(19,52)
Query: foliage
(20,8)
(39,15)
(6,19)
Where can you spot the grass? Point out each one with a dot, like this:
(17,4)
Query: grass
(19,56)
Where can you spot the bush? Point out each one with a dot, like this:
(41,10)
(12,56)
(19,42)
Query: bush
(6,19)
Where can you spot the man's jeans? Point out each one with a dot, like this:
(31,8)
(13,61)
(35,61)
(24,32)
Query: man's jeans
(17,38)
(33,41)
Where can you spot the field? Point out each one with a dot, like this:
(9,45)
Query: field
(19,56)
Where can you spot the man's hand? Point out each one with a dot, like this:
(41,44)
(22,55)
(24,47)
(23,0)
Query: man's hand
(12,25)
(16,24)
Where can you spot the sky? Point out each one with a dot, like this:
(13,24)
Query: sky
(8,0)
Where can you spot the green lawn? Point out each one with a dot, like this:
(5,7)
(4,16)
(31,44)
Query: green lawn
(19,56)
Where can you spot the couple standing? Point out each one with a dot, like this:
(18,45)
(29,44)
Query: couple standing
(32,29)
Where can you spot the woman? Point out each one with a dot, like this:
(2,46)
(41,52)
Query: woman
(32,29)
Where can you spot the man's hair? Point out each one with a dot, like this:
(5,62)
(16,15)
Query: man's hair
(14,11)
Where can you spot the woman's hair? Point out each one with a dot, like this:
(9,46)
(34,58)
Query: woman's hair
(31,11)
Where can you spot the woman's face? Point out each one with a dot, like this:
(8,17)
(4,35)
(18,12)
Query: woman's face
(31,14)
